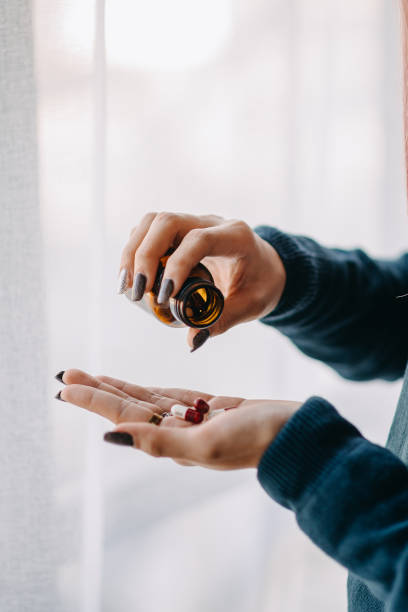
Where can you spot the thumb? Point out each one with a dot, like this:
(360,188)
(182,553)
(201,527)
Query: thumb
(231,315)
(174,442)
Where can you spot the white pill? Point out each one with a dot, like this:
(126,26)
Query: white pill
(179,411)
(186,413)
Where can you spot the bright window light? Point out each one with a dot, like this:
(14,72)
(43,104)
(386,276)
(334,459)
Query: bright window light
(166,34)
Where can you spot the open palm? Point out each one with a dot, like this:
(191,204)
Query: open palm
(234,439)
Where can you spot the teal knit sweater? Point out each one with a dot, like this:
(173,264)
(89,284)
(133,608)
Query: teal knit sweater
(350,496)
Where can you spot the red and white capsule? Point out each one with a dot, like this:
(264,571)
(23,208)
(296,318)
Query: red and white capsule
(201,405)
(186,413)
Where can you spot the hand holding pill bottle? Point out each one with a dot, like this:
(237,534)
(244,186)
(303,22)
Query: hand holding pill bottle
(245,269)
(198,304)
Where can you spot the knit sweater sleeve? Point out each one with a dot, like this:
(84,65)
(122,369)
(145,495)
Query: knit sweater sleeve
(340,306)
(349,496)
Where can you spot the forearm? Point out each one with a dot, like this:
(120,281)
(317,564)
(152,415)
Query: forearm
(340,306)
(350,496)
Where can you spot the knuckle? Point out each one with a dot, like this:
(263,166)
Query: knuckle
(146,221)
(148,218)
(244,233)
(155,448)
(166,218)
(216,219)
(127,253)
(241,227)
(144,254)
(198,234)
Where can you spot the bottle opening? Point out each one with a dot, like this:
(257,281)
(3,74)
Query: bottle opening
(200,304)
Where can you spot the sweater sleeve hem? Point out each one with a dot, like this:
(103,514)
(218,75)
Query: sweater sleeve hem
(304,451)
(302,282)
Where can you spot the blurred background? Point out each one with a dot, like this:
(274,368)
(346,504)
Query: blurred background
(280,112)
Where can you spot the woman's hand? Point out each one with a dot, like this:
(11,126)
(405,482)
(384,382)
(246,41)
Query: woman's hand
(247,269)
(236,438)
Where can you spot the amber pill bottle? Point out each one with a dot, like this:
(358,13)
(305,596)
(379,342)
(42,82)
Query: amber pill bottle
(199,303)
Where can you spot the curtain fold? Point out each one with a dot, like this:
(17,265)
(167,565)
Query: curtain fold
(28,532)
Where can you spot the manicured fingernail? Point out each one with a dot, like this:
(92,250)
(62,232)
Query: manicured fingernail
(122,284)
(166,289)
(199,339)
(60,375)
(118,437)
(58,397)
(139,284)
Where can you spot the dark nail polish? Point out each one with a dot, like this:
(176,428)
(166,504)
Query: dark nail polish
(139,285)
(165,292)
(58,397)
(59,376)
(119,437)
(199,339)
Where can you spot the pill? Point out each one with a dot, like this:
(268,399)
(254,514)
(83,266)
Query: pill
(186,413)
(201,405)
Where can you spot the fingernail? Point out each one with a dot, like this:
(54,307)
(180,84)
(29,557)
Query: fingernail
(60,375)
(58,397)
(166,289)
(199,339)
(139,284)
(118,437)
(122,284)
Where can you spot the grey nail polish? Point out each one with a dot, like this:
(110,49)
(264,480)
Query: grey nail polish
(139,284)
(58,397)
(122,283)
(119,437)
(199,339)
(166,289)
(59,376)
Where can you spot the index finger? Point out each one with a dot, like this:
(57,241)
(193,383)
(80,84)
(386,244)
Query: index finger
(166,231)
(136,236)
(112,407)
(155,395)
(224,240)
(184,396)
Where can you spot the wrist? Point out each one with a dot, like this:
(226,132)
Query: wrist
(304,451)
(303,274)
(276,413)
(273,278)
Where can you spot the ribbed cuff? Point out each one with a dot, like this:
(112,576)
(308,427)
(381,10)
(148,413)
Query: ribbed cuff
(301,271)
(303,452)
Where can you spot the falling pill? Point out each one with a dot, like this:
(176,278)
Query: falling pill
(186,413)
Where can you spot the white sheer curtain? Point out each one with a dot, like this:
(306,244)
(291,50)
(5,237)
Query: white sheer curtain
(280,112)
(29,549)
